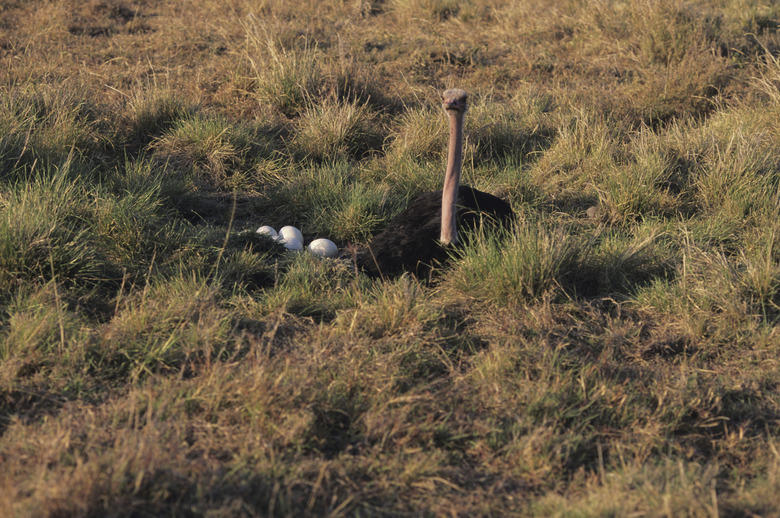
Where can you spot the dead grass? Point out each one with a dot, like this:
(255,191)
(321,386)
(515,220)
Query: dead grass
(613,353)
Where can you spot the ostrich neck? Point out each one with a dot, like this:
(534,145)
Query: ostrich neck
(449,196)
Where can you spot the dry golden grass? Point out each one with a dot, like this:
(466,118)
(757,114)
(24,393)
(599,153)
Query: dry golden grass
(614,353)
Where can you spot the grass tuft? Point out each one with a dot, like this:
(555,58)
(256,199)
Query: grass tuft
(41,236)
(287,79)
(522,266)
(421,134)
(49,124)
(211,151)
(151,113)
(334,131)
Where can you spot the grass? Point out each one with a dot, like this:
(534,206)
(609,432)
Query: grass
(612,353)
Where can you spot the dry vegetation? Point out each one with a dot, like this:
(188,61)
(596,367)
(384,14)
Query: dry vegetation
(614,354)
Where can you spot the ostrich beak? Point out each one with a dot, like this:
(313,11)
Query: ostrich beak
(454,100)
(452,105)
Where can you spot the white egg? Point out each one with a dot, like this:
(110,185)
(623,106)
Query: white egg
(290,232)
(324,248)
(268,231)
(292,243)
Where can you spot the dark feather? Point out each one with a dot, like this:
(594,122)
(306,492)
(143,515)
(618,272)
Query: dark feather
(410,243)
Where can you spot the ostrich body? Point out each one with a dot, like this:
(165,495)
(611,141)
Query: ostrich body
(421,234)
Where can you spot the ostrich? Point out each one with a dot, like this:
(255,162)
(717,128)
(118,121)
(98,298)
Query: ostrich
(420,236)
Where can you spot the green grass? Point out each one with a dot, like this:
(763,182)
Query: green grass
(611,353)
(512,267)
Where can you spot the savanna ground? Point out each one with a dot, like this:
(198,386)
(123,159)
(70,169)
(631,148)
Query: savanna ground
(615,353)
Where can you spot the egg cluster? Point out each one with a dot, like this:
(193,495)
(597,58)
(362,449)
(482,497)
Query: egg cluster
(292,238)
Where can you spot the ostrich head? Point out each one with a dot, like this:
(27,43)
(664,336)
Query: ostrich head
(455,100)
(455,105)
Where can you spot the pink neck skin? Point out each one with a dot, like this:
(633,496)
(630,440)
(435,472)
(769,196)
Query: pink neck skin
(449,195)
